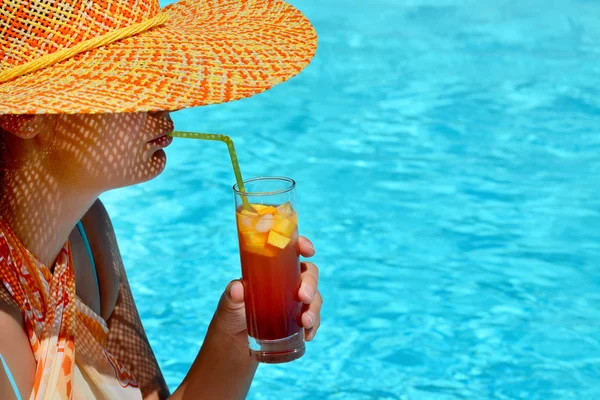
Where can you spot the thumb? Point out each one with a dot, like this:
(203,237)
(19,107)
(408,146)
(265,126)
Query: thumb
(230,316)
(233,297)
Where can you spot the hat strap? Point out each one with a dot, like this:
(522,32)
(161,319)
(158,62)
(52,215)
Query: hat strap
(61,55)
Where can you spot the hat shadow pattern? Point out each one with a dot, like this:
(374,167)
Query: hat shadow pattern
(76,153)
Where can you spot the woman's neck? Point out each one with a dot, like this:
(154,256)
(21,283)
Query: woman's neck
(40,211)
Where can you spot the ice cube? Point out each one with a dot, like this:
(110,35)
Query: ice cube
(265,223)
(246,220)
(285,209)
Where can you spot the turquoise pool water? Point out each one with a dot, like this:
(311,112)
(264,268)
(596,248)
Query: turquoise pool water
(447,156)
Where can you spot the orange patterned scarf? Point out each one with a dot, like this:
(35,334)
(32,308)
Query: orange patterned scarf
(67,338)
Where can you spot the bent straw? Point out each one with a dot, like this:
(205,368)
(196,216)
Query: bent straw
(234,161)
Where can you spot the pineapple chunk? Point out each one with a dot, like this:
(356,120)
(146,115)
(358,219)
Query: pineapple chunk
(260,250)
(255,238)
(284,226)
(248,213)
(261,209)
(254,242)
(277,240)
(285,210)
(268,210)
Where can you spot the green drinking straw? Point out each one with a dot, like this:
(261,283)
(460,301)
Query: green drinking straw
(234,160)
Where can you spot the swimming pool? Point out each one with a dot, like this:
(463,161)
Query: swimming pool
(448,165)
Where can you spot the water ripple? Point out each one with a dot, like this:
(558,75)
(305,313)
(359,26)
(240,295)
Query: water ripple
(448,170)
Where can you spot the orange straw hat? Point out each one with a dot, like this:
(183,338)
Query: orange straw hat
(67,56)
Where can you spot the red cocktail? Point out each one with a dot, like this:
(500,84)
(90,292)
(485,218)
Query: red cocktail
(268,237)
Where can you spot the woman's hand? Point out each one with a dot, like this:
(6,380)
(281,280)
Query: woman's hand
(230,317)
(220,373)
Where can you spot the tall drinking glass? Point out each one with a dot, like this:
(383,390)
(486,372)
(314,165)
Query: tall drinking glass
(267,226)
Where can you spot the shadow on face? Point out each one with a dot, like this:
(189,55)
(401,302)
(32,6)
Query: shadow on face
(53,164)
(91,152)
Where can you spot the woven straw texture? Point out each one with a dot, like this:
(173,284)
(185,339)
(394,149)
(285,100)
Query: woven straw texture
(208,52)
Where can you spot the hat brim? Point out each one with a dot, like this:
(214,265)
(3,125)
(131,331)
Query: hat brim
(208,52)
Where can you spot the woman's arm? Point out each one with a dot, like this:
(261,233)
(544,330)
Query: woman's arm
(223,369)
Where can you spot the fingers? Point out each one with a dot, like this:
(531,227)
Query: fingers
(310,281)
(307,249)
(310,296)
(311,319)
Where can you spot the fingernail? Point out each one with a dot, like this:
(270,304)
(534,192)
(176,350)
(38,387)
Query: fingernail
(311,318)
(308,293)
(312,247)
(231,288)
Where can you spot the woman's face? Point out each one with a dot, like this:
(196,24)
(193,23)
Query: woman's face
(97,152)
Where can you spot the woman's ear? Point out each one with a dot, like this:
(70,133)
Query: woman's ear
(25,126)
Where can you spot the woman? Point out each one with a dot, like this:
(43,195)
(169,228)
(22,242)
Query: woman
(85,94)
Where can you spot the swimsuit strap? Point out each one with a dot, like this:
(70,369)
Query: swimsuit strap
(11,379)
(89,250)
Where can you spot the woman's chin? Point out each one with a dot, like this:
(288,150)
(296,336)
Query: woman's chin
(158,162)
(152,168)
(143,171)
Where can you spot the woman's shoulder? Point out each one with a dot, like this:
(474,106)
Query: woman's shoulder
(97,217)
(107,258)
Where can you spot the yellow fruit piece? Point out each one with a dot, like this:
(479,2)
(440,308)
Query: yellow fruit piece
(255,242)
(268,210)
(255,238)
(278,240)
(257,207)
(285,209)
(261,209)
(260,250)
(284,226)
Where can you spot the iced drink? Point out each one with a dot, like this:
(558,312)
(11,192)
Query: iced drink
(268,239)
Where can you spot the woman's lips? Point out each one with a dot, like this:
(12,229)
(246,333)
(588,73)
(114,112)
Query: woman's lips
(162,141)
